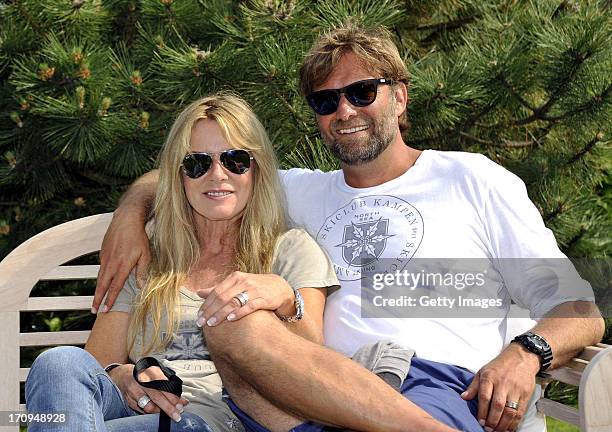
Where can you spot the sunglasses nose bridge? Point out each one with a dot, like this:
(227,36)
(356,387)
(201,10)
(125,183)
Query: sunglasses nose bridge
(345,108)
(217,169)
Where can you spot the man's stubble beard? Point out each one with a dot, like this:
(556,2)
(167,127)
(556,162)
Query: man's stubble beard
(358,151)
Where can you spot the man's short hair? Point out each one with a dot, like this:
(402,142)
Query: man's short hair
(373,46)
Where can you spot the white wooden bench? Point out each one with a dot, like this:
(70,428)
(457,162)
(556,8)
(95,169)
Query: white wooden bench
(42,257)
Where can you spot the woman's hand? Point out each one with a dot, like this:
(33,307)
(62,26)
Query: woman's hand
(265,291)
(132,391)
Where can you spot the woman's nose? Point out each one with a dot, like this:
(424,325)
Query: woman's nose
(217,171)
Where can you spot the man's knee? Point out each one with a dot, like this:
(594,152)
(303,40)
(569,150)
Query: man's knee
(233,340)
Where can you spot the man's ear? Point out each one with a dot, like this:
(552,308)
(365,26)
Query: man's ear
(401,98)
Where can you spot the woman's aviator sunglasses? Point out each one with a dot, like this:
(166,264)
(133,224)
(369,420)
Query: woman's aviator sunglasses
(236,161)
(360,93)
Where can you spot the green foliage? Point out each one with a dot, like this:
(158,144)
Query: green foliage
(90,88)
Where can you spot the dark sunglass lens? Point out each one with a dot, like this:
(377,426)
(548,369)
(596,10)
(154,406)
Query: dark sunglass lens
(361,93)
(324,102)
(195,165)
(236,161)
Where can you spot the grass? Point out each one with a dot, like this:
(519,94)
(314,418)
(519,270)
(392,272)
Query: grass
(554,425)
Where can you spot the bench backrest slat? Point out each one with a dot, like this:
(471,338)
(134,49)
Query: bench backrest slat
(559,411)
(60,303)
(78,337)
(72,272)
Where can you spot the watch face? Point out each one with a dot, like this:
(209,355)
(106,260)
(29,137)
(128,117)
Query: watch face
(538,345)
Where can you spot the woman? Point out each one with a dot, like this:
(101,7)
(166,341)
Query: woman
(218,218)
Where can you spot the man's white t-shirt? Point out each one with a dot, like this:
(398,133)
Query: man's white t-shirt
(448,205)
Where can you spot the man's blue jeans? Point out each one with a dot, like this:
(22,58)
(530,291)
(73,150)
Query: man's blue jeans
(70,380)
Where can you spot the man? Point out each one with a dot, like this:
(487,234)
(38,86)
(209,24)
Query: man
(389,205)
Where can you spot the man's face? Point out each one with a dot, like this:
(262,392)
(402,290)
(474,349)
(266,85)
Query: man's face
(357,135)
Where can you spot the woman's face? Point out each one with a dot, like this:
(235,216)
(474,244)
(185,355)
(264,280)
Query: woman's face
(218,195)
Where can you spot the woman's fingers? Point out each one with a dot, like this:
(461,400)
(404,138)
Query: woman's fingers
(233,311)
(250,307)
(162,400)
(154,373)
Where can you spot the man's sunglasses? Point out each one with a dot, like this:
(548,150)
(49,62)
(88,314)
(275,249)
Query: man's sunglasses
(360,93)
(234,160)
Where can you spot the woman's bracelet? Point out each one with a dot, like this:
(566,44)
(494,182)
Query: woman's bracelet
(112,366)
(299,309)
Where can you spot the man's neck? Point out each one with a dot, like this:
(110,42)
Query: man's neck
(392,163)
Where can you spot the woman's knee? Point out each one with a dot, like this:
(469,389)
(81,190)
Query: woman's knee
(191,422)
(64,360)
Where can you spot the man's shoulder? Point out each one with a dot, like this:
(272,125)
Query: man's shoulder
(462,160)
(305,173)
(302,178)
(471,167)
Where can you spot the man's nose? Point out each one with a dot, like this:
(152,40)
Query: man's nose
(345,110)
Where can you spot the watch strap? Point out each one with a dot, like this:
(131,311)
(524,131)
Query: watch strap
(543,350)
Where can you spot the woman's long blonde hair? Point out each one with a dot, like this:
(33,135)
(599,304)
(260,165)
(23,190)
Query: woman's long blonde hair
(174,242)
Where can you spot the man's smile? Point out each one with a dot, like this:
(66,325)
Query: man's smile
(352,130)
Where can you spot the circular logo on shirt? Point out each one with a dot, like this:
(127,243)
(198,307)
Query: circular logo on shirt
(371,230)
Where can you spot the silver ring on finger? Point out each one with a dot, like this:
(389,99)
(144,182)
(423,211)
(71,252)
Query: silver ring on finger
(242,298)
(512,405)
(143,401)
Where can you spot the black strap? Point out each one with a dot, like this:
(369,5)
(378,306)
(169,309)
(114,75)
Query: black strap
(173,385)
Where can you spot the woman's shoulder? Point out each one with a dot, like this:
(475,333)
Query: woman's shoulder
(301,261)
(295,237)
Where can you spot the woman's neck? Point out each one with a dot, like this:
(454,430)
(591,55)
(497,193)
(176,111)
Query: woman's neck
(217,238)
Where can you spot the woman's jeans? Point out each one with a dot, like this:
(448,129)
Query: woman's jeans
(70,380)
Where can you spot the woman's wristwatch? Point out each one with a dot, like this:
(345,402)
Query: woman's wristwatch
(299,308)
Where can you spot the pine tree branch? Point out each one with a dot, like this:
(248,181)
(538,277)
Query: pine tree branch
(586,149)
(502,143)
(563,87)
(576,238)
(556,212)
(26,16)
(101,178)
(476,139)
(565,6)
(584,107)
(439,28)
(540,112)
(519,144)
(457,130)
(514,93)
(447,25)
(298,119)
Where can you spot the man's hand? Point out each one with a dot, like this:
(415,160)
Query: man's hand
(510,377)
(124,247)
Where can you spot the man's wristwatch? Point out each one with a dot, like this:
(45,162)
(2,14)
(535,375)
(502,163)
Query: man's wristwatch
(537,345)
(299,308)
